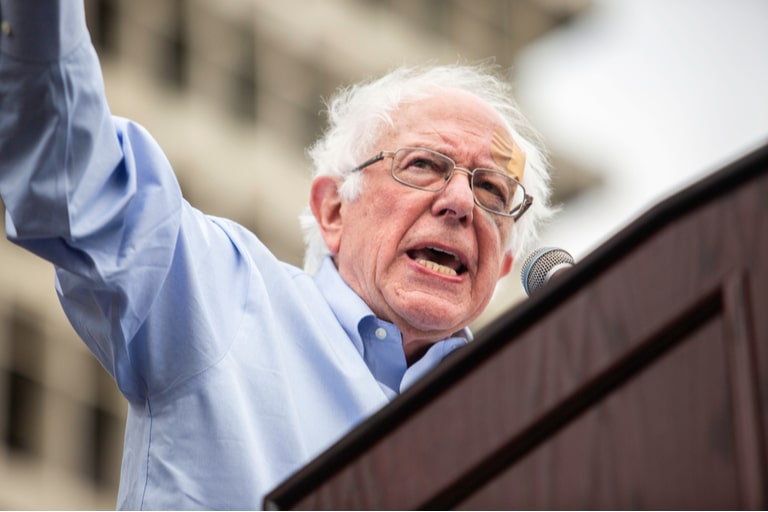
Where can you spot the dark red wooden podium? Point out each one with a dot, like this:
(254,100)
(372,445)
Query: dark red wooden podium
(638,380)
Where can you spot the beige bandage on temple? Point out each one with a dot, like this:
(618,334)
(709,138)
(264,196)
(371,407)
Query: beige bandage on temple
(507,154)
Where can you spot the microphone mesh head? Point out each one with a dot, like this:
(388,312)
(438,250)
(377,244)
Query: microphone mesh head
(537,266)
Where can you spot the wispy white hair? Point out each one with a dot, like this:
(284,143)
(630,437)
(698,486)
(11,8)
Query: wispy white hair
(359,114)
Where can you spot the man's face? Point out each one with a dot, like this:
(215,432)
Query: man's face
(393,242)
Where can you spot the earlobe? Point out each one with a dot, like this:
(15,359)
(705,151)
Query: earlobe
(506,264)
(326,207)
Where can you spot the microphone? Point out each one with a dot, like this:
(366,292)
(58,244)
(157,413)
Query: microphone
(542,265)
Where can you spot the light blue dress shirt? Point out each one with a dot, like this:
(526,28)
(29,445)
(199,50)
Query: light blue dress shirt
(237,368)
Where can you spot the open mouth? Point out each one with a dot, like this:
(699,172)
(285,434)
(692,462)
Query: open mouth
(438,260)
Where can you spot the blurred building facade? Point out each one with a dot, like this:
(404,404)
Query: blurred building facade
(232,90)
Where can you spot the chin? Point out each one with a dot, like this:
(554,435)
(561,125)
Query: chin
(436,320)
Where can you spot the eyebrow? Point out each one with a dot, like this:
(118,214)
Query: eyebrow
(441,148)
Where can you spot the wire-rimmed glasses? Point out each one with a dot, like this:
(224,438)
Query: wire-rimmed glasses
(424,169)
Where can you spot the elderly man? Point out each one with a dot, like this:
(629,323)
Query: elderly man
(238,368)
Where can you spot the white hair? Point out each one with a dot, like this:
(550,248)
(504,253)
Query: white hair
(358,114)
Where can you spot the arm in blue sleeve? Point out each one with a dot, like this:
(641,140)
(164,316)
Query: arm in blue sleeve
(56,133)
(96,196)
(41,31)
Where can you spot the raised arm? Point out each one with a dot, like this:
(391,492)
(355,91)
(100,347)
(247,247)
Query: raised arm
(55,126)
(96,196)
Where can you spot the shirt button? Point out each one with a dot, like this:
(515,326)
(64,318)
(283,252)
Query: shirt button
(381,333)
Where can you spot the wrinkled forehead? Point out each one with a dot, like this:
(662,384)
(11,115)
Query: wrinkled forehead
(459,121)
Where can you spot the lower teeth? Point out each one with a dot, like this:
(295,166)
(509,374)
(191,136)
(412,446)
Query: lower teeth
(431,265)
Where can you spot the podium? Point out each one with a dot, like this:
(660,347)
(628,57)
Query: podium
(636,380)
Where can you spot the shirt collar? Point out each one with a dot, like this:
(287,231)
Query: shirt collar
(358,321)
(347,305)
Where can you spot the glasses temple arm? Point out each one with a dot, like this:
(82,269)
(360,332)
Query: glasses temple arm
(380,156)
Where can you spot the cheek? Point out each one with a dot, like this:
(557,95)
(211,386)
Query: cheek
(504,227)
(392,211)
(495,240)
(371,228)
(493,227)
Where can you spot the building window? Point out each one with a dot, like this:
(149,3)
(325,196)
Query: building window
(101,16)
(22,369)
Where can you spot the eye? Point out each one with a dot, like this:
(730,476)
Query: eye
(494,186)
(421,168)
(421,162)
(493,189)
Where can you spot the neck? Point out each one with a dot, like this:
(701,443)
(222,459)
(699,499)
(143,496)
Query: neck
(414,350)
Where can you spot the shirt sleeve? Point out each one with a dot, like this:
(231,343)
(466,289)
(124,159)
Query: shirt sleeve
(41,31)
(96,196)
(56,133)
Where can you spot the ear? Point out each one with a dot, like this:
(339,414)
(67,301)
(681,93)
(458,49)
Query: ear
(326,207)
(506,264)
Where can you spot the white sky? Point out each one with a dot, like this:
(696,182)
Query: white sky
(651,95)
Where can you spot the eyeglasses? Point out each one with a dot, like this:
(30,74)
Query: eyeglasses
(429,170)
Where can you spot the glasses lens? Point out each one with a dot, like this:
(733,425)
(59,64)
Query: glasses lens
(428,170)
(496,191)
(421,168)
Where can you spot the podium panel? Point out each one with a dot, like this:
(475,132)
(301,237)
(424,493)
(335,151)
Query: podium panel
(638,380)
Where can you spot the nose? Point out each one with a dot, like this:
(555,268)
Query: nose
(456,199)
